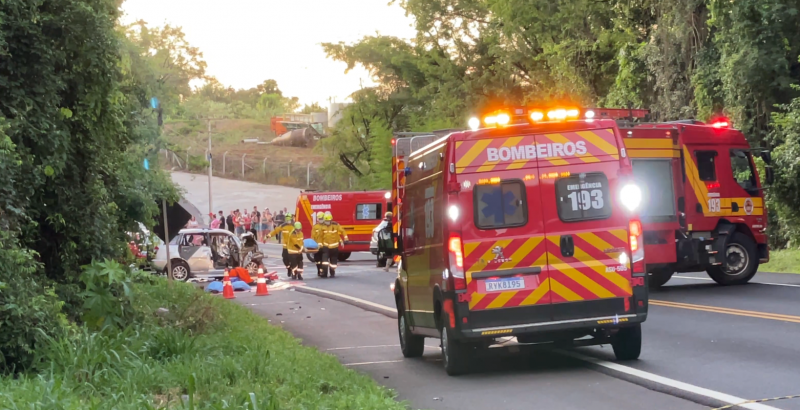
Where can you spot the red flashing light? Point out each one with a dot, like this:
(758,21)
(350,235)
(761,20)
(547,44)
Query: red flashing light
(635,227)
(713,185)
(394,141)
(455,248)
(720,122)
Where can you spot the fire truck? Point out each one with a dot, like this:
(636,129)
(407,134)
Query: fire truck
(703,202)
(359,212)
(524,228)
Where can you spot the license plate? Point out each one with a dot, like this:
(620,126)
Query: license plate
(498,285)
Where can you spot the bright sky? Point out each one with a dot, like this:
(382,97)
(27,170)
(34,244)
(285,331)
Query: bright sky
(246,42)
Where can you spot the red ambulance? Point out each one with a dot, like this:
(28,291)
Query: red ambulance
(527,227)
(359,212)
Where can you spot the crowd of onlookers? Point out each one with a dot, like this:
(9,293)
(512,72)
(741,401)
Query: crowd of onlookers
(239,222)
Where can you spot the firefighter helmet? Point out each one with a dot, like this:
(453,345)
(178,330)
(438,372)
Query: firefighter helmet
(320,215)
(328,217)
(298,225)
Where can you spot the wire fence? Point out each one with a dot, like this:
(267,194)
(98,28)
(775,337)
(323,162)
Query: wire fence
(246,168)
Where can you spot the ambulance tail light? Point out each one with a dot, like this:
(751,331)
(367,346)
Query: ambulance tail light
(456,254)
(637,246)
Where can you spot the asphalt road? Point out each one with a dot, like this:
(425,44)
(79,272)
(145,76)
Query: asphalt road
(742,341)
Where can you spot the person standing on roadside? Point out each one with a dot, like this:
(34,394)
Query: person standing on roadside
(279,220)
(221,218)
(239,222)
(245,221)
(192,224)
(264,226)
(229,222)
(214,221)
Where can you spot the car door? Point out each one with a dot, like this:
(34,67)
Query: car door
(194,249)
(587,228)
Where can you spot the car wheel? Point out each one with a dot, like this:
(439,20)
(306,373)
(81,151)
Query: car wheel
(343,256)
(455,355)
(410,344)
(252,268)
(180,271)
(741,262)
(627,343)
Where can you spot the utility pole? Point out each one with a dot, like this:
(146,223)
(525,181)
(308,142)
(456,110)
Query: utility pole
(210,166)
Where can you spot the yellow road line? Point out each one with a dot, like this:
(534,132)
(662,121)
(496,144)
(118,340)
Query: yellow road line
(728,311)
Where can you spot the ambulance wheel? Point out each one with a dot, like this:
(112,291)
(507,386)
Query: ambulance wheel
(410,344)
(659,278)
(741,261)
(343,256)
(455,355)
(627,343)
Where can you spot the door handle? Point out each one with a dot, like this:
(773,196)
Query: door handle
(567,246)
(734,207)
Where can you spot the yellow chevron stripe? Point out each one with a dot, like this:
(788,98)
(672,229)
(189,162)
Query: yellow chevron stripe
(563,291)
(469,247)
(595,241)
(520,253)
(622,234)
(692,174)
(578,277)
(653,153)
(599,142)
(600,268)
(481,263)
(475,298)
(588,158)
(537,294)
(473,153)
(501,300)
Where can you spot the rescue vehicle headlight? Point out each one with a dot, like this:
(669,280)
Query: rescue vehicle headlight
(623,259)
(387,195)
(631,196)
(589,114)
(453,212)
(474,123)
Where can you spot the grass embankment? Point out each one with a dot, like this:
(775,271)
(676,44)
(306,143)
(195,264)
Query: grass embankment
(218,353)
(782,261)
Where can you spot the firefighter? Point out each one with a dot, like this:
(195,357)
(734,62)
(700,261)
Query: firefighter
(282,231)
(294,246)
(333,235)
(316,235)
(386,243)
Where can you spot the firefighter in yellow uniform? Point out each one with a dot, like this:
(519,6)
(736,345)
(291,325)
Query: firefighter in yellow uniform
(333,236)
(316,235)
(294,246)
(283,230)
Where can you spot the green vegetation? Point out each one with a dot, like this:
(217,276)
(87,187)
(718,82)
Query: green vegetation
(218,354)
(782,261)
(680,59)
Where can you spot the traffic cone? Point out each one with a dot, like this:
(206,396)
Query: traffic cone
(261,287)
(227,288)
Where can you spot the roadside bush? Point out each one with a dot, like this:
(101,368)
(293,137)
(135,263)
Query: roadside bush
(197,163)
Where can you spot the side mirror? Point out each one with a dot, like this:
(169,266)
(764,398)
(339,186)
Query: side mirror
(770,176)
(767,157)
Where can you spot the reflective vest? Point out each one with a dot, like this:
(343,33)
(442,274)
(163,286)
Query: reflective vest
(332,234)
(294,241)
(284,230)
(316,233)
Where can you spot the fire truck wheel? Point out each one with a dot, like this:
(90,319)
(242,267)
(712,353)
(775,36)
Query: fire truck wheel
(343,256)
(627,343)
(659,278)
(411,344)
(741,262)
(455,355)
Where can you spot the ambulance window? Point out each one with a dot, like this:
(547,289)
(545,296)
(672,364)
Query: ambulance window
(500,205)
(583,197)
(705,165)
(368,211)
(742,168)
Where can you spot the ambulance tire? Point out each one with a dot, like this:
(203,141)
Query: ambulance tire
(343,256)
(410,344)
(659,277)
(455,355)
(627,343)
(740,250)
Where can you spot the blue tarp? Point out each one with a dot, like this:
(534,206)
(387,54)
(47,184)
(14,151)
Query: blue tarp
(238,285)
(214,287)
(310,243)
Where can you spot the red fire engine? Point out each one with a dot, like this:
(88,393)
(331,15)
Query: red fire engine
(358,212)
(526,228)
(703,204)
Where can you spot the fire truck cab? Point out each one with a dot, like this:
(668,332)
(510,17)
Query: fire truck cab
(525,228)
(357,211)
(703,204)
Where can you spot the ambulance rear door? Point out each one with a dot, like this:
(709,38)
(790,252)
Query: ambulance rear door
(504,250)
(587,227)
